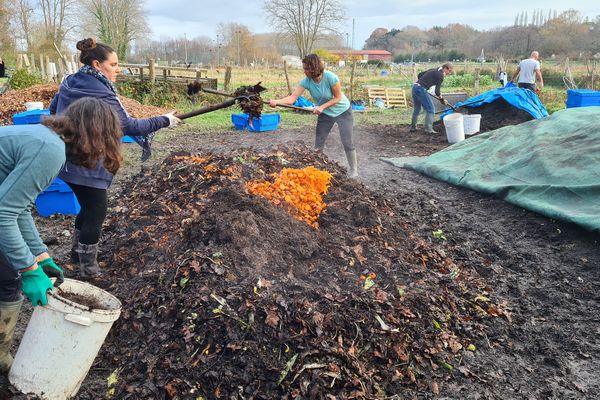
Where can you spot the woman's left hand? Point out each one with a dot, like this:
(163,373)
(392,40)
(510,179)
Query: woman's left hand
(318,110)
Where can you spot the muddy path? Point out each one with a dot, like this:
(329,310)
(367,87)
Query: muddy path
(545,271)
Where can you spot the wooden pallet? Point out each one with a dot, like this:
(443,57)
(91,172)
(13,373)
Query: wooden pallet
(392,97)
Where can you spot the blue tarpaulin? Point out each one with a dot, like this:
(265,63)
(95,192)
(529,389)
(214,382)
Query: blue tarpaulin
(523,99)
(303,102)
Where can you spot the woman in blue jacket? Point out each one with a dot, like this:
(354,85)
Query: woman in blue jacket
(96,79)
(332,107)
(30,158)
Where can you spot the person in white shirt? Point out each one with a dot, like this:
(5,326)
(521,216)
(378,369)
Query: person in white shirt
(528,72)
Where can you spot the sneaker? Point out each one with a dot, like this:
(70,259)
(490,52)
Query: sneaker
(412,129)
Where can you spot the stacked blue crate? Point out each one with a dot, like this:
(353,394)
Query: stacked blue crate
(58,198)
(267,122)
(29,117)
(582,98)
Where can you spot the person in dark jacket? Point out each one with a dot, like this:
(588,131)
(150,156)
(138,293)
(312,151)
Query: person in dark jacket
(90,183)
(421,97)
(30,158)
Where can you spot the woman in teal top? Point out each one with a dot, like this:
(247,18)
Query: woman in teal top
(332,107)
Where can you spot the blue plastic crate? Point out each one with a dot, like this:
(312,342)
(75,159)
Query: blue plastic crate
(267,122)
(29,117)
(127,139)
(58,198)
(582,98)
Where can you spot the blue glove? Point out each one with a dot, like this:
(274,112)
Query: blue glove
(35,286)
(52,270)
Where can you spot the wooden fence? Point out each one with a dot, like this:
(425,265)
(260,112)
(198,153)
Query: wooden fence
(54,69)
(50,69)
(152,72)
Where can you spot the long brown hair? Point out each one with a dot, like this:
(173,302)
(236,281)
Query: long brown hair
(92,132)
(92,50)
(314,64)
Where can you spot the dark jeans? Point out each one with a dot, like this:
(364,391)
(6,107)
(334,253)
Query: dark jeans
(345,123)
(530,86)
(421,99)
(10,282)
(94,205)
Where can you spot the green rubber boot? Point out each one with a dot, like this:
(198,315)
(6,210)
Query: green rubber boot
(429,123)
(9,314)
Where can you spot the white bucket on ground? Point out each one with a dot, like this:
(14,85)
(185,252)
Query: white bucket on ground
(455,130)
(34,105)
(61,342)
(471,123)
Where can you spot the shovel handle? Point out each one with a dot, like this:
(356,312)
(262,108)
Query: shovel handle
(206,109)
(295,107)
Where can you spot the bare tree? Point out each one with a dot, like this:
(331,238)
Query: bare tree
(304,20)
(56,15)
(116,22)
(24,21)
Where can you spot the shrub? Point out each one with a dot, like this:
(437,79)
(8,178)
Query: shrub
(22,79)
(159,94)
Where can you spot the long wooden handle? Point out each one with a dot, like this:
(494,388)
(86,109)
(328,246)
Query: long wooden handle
(295,107)
(206,109)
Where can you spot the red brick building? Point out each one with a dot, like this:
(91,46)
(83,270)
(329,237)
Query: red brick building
(364,55)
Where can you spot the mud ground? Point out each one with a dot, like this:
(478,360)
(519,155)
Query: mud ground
(546,271)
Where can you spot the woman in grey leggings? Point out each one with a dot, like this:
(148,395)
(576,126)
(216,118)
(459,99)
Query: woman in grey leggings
(332,107)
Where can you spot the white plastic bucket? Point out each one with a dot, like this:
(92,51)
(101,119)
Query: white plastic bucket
(61,342)
(455,130)
(471,123)
(34,105)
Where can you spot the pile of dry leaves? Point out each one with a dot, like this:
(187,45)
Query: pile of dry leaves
(226,295)
(13,102)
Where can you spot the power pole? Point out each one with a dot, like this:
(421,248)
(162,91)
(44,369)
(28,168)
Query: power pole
(185,48)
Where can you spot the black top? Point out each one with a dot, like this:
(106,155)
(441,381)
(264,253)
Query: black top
(432,77)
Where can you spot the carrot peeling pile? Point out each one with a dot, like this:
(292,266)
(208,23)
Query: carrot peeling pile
(300,189)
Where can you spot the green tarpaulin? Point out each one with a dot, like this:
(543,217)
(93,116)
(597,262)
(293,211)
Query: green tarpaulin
(550,165)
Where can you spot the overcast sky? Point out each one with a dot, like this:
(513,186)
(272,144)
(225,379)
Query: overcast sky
(174,18)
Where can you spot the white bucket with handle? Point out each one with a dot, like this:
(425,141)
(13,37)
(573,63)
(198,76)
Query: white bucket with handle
(455,131)
(62,340)
(471,122)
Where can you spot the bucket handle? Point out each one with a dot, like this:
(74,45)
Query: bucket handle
(79,319)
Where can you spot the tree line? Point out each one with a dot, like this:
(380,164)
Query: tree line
(567,34)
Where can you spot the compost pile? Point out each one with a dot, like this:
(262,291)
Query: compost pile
(13,102)
(227,295)
(499,113)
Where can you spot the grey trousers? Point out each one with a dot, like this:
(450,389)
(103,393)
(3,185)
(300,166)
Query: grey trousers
(345,123)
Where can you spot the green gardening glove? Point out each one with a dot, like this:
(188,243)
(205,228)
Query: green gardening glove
(35,286)
(52,270)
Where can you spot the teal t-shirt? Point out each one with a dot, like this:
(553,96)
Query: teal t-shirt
(322,93)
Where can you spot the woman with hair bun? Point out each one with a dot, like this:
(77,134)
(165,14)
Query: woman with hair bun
(96,79)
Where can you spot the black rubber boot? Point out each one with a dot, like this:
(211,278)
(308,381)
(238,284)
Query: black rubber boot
(9,314)
(88,262)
